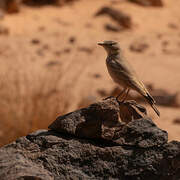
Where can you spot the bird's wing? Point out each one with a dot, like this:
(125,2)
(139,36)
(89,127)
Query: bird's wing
(127,73)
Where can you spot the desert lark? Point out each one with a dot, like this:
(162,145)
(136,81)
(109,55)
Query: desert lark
(123,74)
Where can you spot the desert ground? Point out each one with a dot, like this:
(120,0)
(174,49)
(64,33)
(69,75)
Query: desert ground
(50,63)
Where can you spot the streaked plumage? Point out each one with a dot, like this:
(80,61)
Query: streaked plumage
(123,74)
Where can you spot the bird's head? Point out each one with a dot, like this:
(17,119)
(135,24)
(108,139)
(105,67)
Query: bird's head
(111,47)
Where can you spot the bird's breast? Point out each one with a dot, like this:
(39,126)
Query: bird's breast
(116,71)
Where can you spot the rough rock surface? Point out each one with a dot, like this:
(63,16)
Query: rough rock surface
(139,151)
(148,2)
(104,119)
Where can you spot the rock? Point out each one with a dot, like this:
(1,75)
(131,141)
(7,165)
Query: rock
(130,110)
(113,28)
(13,6)
(50,155)
(10,6)
(86,49)
(72,39)
(138,46)
(35,41)
(138,151)
(121,18)
(157,3)
(52,63)
(172,26)
(176,121)
(164,98)
(165,43)
(66,50)
(104,120)
(45,2)
(142,133)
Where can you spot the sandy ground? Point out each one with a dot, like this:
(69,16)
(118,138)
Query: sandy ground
(80,64)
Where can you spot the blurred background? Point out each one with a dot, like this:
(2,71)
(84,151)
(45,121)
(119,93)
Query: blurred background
(50,63)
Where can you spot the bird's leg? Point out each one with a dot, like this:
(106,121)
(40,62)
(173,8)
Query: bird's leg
(122,92)
(125,96)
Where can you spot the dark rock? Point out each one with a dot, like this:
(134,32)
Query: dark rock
(13,6)
(138,46)
(113,28)
(63,2)
(165,43)
(67,50)
(163,97)
(46,2)
(138,150)
(10,6)
(107,120)
(72,39)
(130,110)
(52,63)
(167,99)
(176,121)
(35,41)
(157,3)
(142,133)
(121,18)
(86,49)
(50,155)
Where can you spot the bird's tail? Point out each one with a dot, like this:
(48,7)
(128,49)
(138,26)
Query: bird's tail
(152,102)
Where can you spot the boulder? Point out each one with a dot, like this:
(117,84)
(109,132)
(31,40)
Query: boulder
(96,142)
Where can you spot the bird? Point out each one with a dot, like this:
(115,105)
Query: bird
(123,74)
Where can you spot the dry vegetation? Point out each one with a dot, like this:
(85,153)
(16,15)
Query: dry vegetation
(30,97)
(27,103)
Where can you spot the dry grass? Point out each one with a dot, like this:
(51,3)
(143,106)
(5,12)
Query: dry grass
(28,101)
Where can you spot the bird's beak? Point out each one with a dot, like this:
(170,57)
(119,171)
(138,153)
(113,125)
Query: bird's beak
(100,43)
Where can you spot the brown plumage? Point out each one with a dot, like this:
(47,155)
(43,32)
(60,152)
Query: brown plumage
(123,74)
